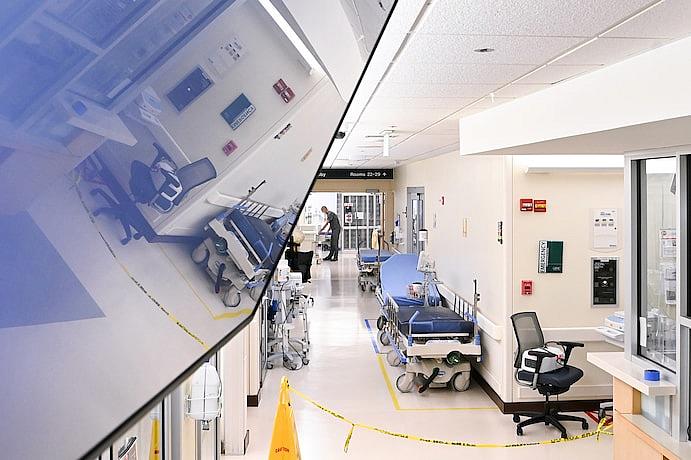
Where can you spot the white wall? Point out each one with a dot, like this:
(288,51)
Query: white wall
(485,190)
(473,188)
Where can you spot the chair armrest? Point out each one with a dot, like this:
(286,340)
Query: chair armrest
(539,356)
(568,347)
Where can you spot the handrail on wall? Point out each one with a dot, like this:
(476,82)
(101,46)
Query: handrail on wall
(490,328)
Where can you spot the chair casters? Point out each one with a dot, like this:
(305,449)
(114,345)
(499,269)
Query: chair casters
(516,418)
(584,425)
(519,431)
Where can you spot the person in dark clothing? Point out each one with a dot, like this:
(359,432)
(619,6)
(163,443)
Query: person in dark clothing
(335,226)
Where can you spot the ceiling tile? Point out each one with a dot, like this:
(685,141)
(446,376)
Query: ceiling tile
(507,49)
(575,18)
(611,50)
(434,90)
(520,89)
(396,116)
(415,72)
(555,73)
(670,19)
(420,102)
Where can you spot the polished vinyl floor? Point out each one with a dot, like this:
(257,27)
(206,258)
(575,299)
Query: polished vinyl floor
(348,376)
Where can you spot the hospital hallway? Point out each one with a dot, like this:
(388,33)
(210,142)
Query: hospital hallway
(346,375)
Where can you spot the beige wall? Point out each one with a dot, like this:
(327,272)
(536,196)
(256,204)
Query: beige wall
(563,301)
(483,190)
(473,188)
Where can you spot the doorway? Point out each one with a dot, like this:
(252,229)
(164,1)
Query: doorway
(415,215)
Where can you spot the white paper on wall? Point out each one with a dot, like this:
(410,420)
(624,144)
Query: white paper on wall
(605,229)
(668,243)
(226,55)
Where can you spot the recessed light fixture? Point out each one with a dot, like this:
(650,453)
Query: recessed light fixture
(484,50)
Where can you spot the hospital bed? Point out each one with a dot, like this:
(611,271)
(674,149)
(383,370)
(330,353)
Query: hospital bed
(368,263)
(241,246)
(434,337)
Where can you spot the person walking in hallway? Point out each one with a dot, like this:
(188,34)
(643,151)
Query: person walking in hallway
(335,226)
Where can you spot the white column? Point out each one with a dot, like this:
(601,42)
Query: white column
(234,377)
(254,358)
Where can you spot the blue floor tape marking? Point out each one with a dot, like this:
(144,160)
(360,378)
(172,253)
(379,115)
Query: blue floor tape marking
(371,337)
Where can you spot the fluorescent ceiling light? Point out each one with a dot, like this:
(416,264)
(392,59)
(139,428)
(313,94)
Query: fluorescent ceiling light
(385,147)
(290,33)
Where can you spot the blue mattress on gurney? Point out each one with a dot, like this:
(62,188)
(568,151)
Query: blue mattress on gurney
(397,273)
(433,320)
(369,256)
(259,235)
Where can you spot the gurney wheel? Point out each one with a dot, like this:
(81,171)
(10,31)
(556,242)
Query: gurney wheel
(403,385)
(381,322)
(393,359)
(383,338)
(363,287)
(231,298)
(305,361)
(373,288)
(459,382)
(200,255)
(254,292)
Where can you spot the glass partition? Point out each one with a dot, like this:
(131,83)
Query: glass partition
(657,309)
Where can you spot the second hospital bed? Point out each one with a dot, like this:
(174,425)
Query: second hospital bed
(434,341)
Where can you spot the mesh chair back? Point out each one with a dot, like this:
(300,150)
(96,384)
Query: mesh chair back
(528,333)
(195,174)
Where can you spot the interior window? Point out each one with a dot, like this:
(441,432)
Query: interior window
(658,257)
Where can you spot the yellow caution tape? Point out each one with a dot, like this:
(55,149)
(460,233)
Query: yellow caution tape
(602,428)
(134,280)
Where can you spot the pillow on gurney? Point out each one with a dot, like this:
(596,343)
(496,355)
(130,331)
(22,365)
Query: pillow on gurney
(369,256)
(433,320)
(397,273)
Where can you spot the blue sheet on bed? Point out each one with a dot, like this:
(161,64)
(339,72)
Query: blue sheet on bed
(397,273)
(433,320)
(369,256)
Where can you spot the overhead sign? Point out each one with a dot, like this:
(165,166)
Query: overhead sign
(355,174)
(238,111)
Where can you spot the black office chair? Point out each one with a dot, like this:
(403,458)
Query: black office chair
(529,336)
(171,184)
(163,194)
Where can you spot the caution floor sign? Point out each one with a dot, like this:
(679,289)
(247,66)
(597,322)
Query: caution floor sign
(155,449)
(284,442)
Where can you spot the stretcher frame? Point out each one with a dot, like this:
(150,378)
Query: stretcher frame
(422,353)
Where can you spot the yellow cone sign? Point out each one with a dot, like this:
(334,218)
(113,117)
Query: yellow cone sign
(155,449)
(284,442)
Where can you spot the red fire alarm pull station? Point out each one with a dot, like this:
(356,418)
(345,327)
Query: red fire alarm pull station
(526,204)
(230,147)
(284,91)
(526,287)
(540,205)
